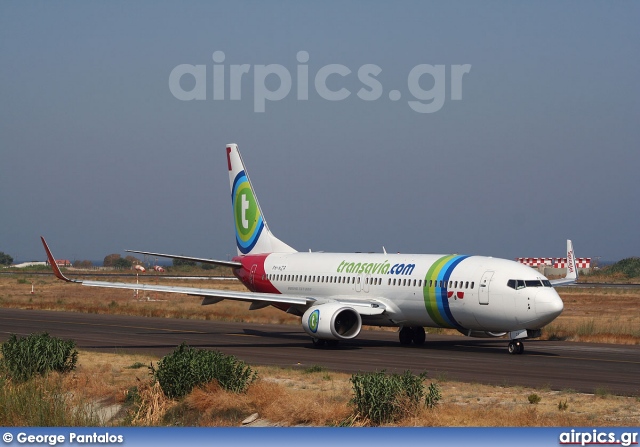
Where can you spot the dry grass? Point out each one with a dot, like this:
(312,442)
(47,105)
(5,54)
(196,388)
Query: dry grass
(106,376)
(599,315)
(288,397)
(52,294)
(273,401)
(152,407)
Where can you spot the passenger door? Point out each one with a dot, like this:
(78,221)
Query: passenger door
(483,292)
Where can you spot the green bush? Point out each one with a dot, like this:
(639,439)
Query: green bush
(534,399)
(185,368)
(35,354)
(629,267)
(433,395)
(381,398)
(563,405)
(314,369)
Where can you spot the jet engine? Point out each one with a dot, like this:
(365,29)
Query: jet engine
(332,321)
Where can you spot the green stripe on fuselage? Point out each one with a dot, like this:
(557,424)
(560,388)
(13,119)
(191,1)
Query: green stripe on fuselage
(431,293)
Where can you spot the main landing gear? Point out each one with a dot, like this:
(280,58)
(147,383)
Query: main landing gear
(319,343)
(415,334)
(516,347)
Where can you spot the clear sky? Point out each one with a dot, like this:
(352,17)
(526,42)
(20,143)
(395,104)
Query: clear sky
(537,142)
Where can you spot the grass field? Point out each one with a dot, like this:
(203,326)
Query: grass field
(103,383)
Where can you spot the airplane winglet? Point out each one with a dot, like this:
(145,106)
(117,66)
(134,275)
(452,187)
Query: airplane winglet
(53,264)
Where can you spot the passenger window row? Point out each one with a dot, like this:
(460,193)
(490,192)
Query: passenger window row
(369,281)
(322,279)
(432,283)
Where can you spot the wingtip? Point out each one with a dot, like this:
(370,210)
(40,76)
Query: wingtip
(53,263)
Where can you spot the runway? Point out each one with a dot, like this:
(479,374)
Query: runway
(557,365)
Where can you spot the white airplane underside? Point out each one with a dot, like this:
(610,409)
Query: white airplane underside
(335,294)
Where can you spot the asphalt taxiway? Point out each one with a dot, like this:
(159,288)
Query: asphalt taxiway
(558,365)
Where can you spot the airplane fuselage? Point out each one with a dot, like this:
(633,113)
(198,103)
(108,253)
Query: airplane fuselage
(468,293)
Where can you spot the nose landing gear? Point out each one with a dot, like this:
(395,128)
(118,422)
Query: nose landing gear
(516,347)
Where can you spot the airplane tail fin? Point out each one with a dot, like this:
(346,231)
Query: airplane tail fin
(572,270)
(252,232)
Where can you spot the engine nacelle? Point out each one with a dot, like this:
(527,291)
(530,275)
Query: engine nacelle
(482,334)
(332,321)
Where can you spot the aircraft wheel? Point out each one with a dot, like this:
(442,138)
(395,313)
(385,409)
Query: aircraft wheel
(419,335)
(318,343)
(516,347)
(406,336)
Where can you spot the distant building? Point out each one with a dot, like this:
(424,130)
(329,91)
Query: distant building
(557,263)
(29,264)
(555,266)
(62,263)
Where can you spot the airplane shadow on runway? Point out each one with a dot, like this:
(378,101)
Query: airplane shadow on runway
(291,339)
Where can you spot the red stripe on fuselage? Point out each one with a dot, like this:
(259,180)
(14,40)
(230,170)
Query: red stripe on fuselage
(252,273)
(256,280)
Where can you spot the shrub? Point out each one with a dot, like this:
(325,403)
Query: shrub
(433,395)
(25,357)
(602,392)
(629,267)
(534,399)
(314,369)
(381,398)
(185,368)
(563,405)
(136,365)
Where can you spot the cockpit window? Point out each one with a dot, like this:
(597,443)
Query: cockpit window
(533,283)
(546,283)
(520,284)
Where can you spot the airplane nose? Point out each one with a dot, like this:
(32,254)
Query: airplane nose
(548,306)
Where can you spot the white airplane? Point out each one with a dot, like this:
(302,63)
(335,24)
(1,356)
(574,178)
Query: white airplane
(337,293)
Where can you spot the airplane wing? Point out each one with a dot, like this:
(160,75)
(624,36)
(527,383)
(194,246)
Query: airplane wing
(231,264)
(212,296)
(572,270)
